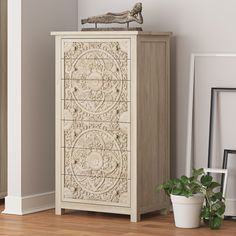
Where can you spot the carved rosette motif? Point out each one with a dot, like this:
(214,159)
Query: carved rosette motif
(94,73)
(96,163)
(86,135)
(97,167)
(96,121)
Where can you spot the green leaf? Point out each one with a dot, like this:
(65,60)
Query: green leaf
(217,205)
(214,185)
(184,179)
(191,178)
(205,213)
(197,173)
(218,196)
(206,180)
(221,211)
(215,222)
(176,191)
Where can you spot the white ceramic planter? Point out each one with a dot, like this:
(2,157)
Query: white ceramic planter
(187,210)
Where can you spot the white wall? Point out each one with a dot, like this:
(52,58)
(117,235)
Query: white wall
(31,100)
(198,26)
(39,18)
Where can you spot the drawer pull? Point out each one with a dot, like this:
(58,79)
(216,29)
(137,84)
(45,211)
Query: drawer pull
(117,111)
(117,136)
(117,47)
(75,89)
(117,69)
(75,110)
(117,90)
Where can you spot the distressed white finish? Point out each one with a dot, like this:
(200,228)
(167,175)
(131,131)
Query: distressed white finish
(97,120)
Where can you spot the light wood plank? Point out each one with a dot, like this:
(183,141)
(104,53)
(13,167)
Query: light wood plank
(99,224)
(107,33)
(153,120)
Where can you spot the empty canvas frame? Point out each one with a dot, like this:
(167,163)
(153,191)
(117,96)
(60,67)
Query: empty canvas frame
(207,71)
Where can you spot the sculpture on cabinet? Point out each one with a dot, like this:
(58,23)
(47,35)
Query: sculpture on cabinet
(134,15)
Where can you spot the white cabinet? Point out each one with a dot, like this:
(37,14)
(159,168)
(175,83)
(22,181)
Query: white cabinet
(112,121)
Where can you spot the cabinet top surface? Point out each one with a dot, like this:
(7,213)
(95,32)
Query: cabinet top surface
(107,33)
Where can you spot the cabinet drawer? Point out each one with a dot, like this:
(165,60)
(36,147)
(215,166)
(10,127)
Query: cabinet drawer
(95,135)
(92,163)
(96,90)
(100,69)
(105,111)
(87,49)
(96,190)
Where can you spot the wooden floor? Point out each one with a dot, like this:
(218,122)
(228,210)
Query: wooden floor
(94,224)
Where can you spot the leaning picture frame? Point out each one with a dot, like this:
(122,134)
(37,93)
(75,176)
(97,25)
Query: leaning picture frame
(189,141)
(224,177)
(225,157)
(214,92)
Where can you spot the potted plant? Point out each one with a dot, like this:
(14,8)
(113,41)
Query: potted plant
(188,194)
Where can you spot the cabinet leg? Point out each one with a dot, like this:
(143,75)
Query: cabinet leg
(59,211)
(135,217)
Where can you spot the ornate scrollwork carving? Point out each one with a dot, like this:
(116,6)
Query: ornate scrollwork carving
(107,50)
(96,75)
(120,112)
(97,166)
(101,191)
(96,121)
(95,135)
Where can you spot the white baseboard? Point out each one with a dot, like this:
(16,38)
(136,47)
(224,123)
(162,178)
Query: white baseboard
(13,205)
(29,204)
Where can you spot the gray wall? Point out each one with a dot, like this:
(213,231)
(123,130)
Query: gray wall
(39,18)
(198,26)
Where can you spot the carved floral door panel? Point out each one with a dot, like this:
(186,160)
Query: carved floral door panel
(96,121)
(96,190)
(96,162)
(96,135)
